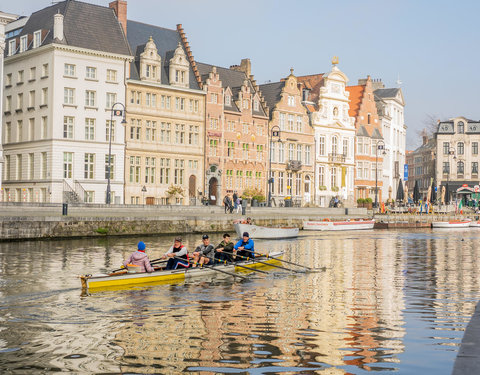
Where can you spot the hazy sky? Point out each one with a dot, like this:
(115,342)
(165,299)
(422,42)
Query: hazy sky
(431,45)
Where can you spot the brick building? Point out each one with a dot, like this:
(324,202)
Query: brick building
(421,166)
(236,131)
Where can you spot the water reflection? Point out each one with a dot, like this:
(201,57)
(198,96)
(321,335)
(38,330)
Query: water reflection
(388,301)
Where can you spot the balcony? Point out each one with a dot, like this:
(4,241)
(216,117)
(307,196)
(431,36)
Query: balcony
(294,165)
(336,158)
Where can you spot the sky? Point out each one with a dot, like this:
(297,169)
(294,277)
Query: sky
(431,46)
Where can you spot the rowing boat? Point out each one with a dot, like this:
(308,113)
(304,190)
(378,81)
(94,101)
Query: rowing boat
(451,224)
(100,282)
(338,225)
(257,232)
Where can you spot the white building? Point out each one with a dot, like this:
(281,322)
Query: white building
(5,18)
(328,103)
(63,73)
(390,105)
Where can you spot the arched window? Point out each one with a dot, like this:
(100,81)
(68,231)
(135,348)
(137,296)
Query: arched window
(460,127)
(460,167)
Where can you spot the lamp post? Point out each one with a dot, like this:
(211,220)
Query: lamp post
(144,190)
(274,132)
(380,145)
(113,112)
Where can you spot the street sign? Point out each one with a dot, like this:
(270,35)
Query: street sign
(117,112)
(276,133)
(380,147)
(405,172)
(435,189)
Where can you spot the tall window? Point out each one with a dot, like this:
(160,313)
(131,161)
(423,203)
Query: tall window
(213,147)
(291,151)
(19,167)
(281,152)
(321,176)
(280,182)
(43,165)
(474,167)
(23,43)
(150,130)
(164,171)
(112,167)
(321,145)
(446,147)
(150,170)
(31,99)
(30,166)
(19,131)
(260,152)
(298,184)
(289,183)
(299,152)
(291,100)
(89,129)
(461,127)
(43,130)
(89,166)
(282,121)
(108,129)
(69,70)
(90,98)
(67,164)
(91,72)
(446,167)
(111,99)
(179,171)
(460,167)
(333,177)
(345,147)
(460,148)
(272,151)
(299,124)
(334,145)
(135,169)
(245,150)
(474,148)
(68,95)
(291,119)
(307,155)
(359,170)
(37,39)
(68,127)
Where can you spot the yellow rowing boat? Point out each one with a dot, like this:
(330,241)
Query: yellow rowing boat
(99,282)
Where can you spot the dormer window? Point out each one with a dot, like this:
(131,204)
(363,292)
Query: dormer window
(151,71)
(255,105)
(23,43)
(291,101)
(179,68)
(245,103)
(460,127)
(37,38)
(12,45)
(179,76)
(150,62)
(227,100)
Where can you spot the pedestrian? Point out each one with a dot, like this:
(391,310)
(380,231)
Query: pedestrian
(234,198)
(239,204)
(227,203)
(139,259)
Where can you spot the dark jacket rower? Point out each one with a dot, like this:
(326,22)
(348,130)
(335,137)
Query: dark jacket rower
(224,247)
(203,252)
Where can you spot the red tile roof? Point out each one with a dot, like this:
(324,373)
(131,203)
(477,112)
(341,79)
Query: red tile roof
(313,82)
(356,95)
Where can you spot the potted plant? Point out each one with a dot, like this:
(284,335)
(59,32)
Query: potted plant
(368,203)
(322,187)
(360,202)
(335,188)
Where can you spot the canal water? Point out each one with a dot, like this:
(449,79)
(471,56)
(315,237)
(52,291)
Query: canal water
(390,301)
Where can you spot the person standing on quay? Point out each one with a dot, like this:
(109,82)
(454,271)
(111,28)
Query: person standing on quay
(227,203)
(234,198)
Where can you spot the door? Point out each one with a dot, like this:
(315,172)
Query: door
(212,191)
(150,200)
(192,189)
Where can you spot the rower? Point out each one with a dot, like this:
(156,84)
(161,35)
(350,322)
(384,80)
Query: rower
(177,254)
(204,253)
(223,249)
(246,243)
(139,259)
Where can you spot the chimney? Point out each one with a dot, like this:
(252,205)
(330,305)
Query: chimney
(425,139)
(245,66)
(120,9)
(58,26)
(377,84)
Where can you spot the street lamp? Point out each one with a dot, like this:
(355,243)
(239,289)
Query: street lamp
(380,145)
(113,112)
(274,132)
(144,190)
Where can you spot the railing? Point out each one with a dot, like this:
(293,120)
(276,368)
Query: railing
(294,165)
(80,191)
(336,158)
(69,195)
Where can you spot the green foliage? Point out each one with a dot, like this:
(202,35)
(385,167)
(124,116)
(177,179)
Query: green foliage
(322,187)
(368,200)
(259,198)
(360,200)
(175,191)
(253,193)
(335,188)
(102,230)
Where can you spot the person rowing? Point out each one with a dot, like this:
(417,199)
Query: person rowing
(245,246)
(204,252)
(177,254)
(224,249)
(139,259)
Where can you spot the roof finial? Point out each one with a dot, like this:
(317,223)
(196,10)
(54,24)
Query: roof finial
(291,71)
(334,60)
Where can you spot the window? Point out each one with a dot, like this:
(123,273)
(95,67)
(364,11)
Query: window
(474,148)
(195,106)
(150,130)
(213,147)
(180,76)
(193,135)
(345,147)
(255,105)
(8,80)
(111,75)
(245,104)
(213,123)
(44,98)
(89,196)
(280,182)
(299,152)
(179,134)
(19,102)
(8,103)
(333,177)
(214,98)
(111,99)
(178,172)
(369,118)
(446,148)
(150,170)
(307,154)
(231,149)
(291,123)
(228,99)
(321,176)
(460,127)
(43,130)
(43,165)
(68,127)
(321,145)
(112,167)
(474,167)
(89,166)
(8,132)
(460,167)
(68,95)
(91,72)
(164,171)
(7,168)
(23,43)
(90,98)
(19,167)
(31,99)
(30,166)
(31,129)
(282,121)
(289,183)
(298,184)
(37,39)
(260,152)
(460,148)
(281,152)
(67,164)
(291,151)
(291,100)
(334,145)
(272,151)
(11,47)
(109,129)
(33,73)
(245,128)
(69,70)
(89,129)
(299,124)
(45,70)
(19,131)
(446,167)
(135,169)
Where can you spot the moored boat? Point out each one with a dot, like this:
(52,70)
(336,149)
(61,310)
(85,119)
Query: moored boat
(257,232)
(451,224)
(338,225)
(475,223)
(123,279)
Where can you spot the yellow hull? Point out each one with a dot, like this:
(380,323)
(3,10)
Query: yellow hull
(125,281)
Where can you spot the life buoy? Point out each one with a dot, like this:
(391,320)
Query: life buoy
(326,219)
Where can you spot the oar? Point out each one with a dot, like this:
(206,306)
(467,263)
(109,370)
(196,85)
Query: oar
(238,265)
(269,264)
(286,261)
(216,269)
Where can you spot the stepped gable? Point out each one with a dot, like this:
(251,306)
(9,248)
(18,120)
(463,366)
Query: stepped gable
(356,95)
(85,25)
(166,41)
(272,92)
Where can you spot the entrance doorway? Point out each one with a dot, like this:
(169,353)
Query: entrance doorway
(212,191)
(192,189)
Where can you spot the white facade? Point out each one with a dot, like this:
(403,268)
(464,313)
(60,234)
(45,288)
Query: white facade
(5,18)
(391,113)
(334,141)
(55,129)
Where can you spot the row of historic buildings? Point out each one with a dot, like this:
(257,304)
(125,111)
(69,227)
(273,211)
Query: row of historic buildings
(134,110)
(449,157)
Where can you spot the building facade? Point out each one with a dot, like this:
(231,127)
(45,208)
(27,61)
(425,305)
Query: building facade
(457,154)
(291,153)
(60,83)
(165,135)
(369,144)
(327,102)
(236,132)
(421,166)
(391,108)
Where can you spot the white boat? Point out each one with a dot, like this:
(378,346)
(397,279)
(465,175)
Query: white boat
(338,225)
(475,223)
(256,231)
(451,224)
